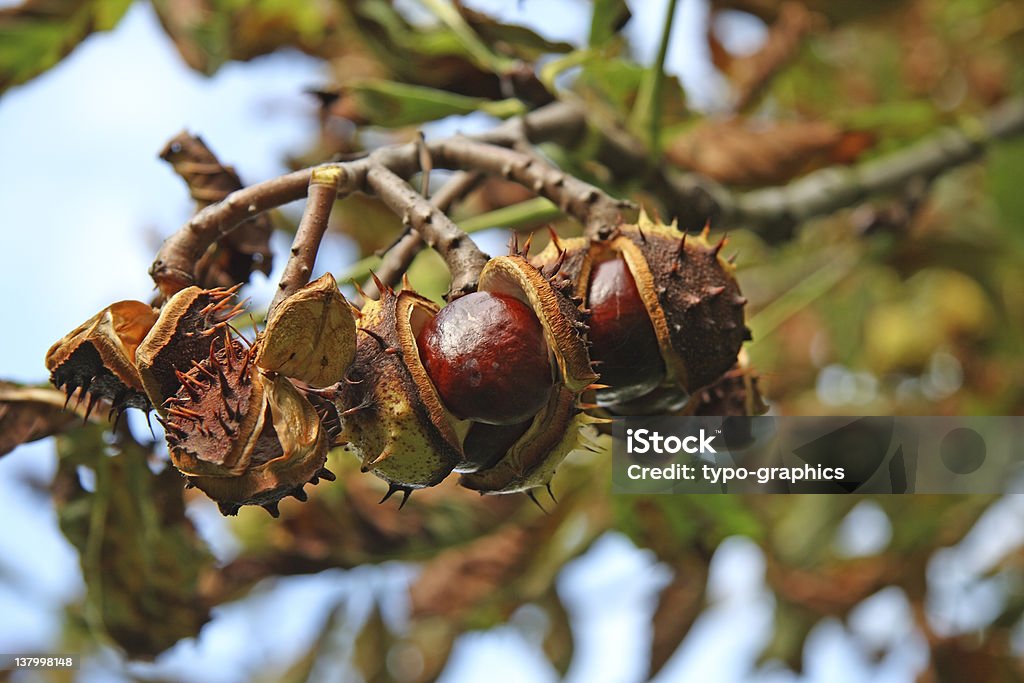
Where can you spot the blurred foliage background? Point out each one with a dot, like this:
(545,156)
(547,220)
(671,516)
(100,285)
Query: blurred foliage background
(908,301)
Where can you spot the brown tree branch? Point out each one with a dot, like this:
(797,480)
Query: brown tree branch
(597,211)
(174,267)
(776,211)
(323,191)
(691,198)
(464,258)
(399,257)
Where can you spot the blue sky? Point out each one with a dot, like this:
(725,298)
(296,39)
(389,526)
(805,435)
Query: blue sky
(87,202)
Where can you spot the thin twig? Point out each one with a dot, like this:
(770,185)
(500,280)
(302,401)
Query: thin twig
(598,212)
(399,257)
(175,263)
(463,257)
(528,214)
(323,191)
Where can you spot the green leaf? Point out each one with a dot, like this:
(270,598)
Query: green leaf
(380,17)
(140,555)
(608,18)
(209,33)
(36,35)
(645,119)
(484,57)
(391,104)
(613,80)
(519,41)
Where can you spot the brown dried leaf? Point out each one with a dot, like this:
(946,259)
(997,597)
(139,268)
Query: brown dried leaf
(751,74)
(246,249)
(679,605)
(739,152)
(30,413)
(835,589)
(983,656)
(458,579)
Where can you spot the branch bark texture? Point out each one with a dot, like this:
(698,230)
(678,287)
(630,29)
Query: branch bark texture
(322,193)
(692,198)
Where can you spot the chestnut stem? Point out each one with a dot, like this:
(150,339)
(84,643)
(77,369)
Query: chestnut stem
(400,256)
(464,258)
(323,191)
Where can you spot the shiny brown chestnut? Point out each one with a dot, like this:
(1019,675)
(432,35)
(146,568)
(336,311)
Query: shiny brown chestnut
(486,355)
(622,338)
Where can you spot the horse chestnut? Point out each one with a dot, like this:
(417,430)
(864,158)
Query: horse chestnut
(487,357)
(622,338)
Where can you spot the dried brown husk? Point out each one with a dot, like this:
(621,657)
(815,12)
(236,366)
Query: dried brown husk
(310,336)
(391,415)
(98,357)
(189,324)
(289,453)
(243,436)
(215,420)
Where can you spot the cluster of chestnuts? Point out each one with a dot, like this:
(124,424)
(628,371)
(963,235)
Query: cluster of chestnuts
(499,385)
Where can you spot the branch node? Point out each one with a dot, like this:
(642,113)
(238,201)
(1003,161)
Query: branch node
(332,176)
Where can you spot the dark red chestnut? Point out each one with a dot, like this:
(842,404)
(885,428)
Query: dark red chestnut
(622,337)
(486,356)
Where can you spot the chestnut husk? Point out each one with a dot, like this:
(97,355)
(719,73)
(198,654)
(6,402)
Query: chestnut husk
(689,290)
(391,416)
(189,325)
(310,336)
(558,430)
(242,435)
(97,358)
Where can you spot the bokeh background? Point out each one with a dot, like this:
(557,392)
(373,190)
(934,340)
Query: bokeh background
(906,303)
